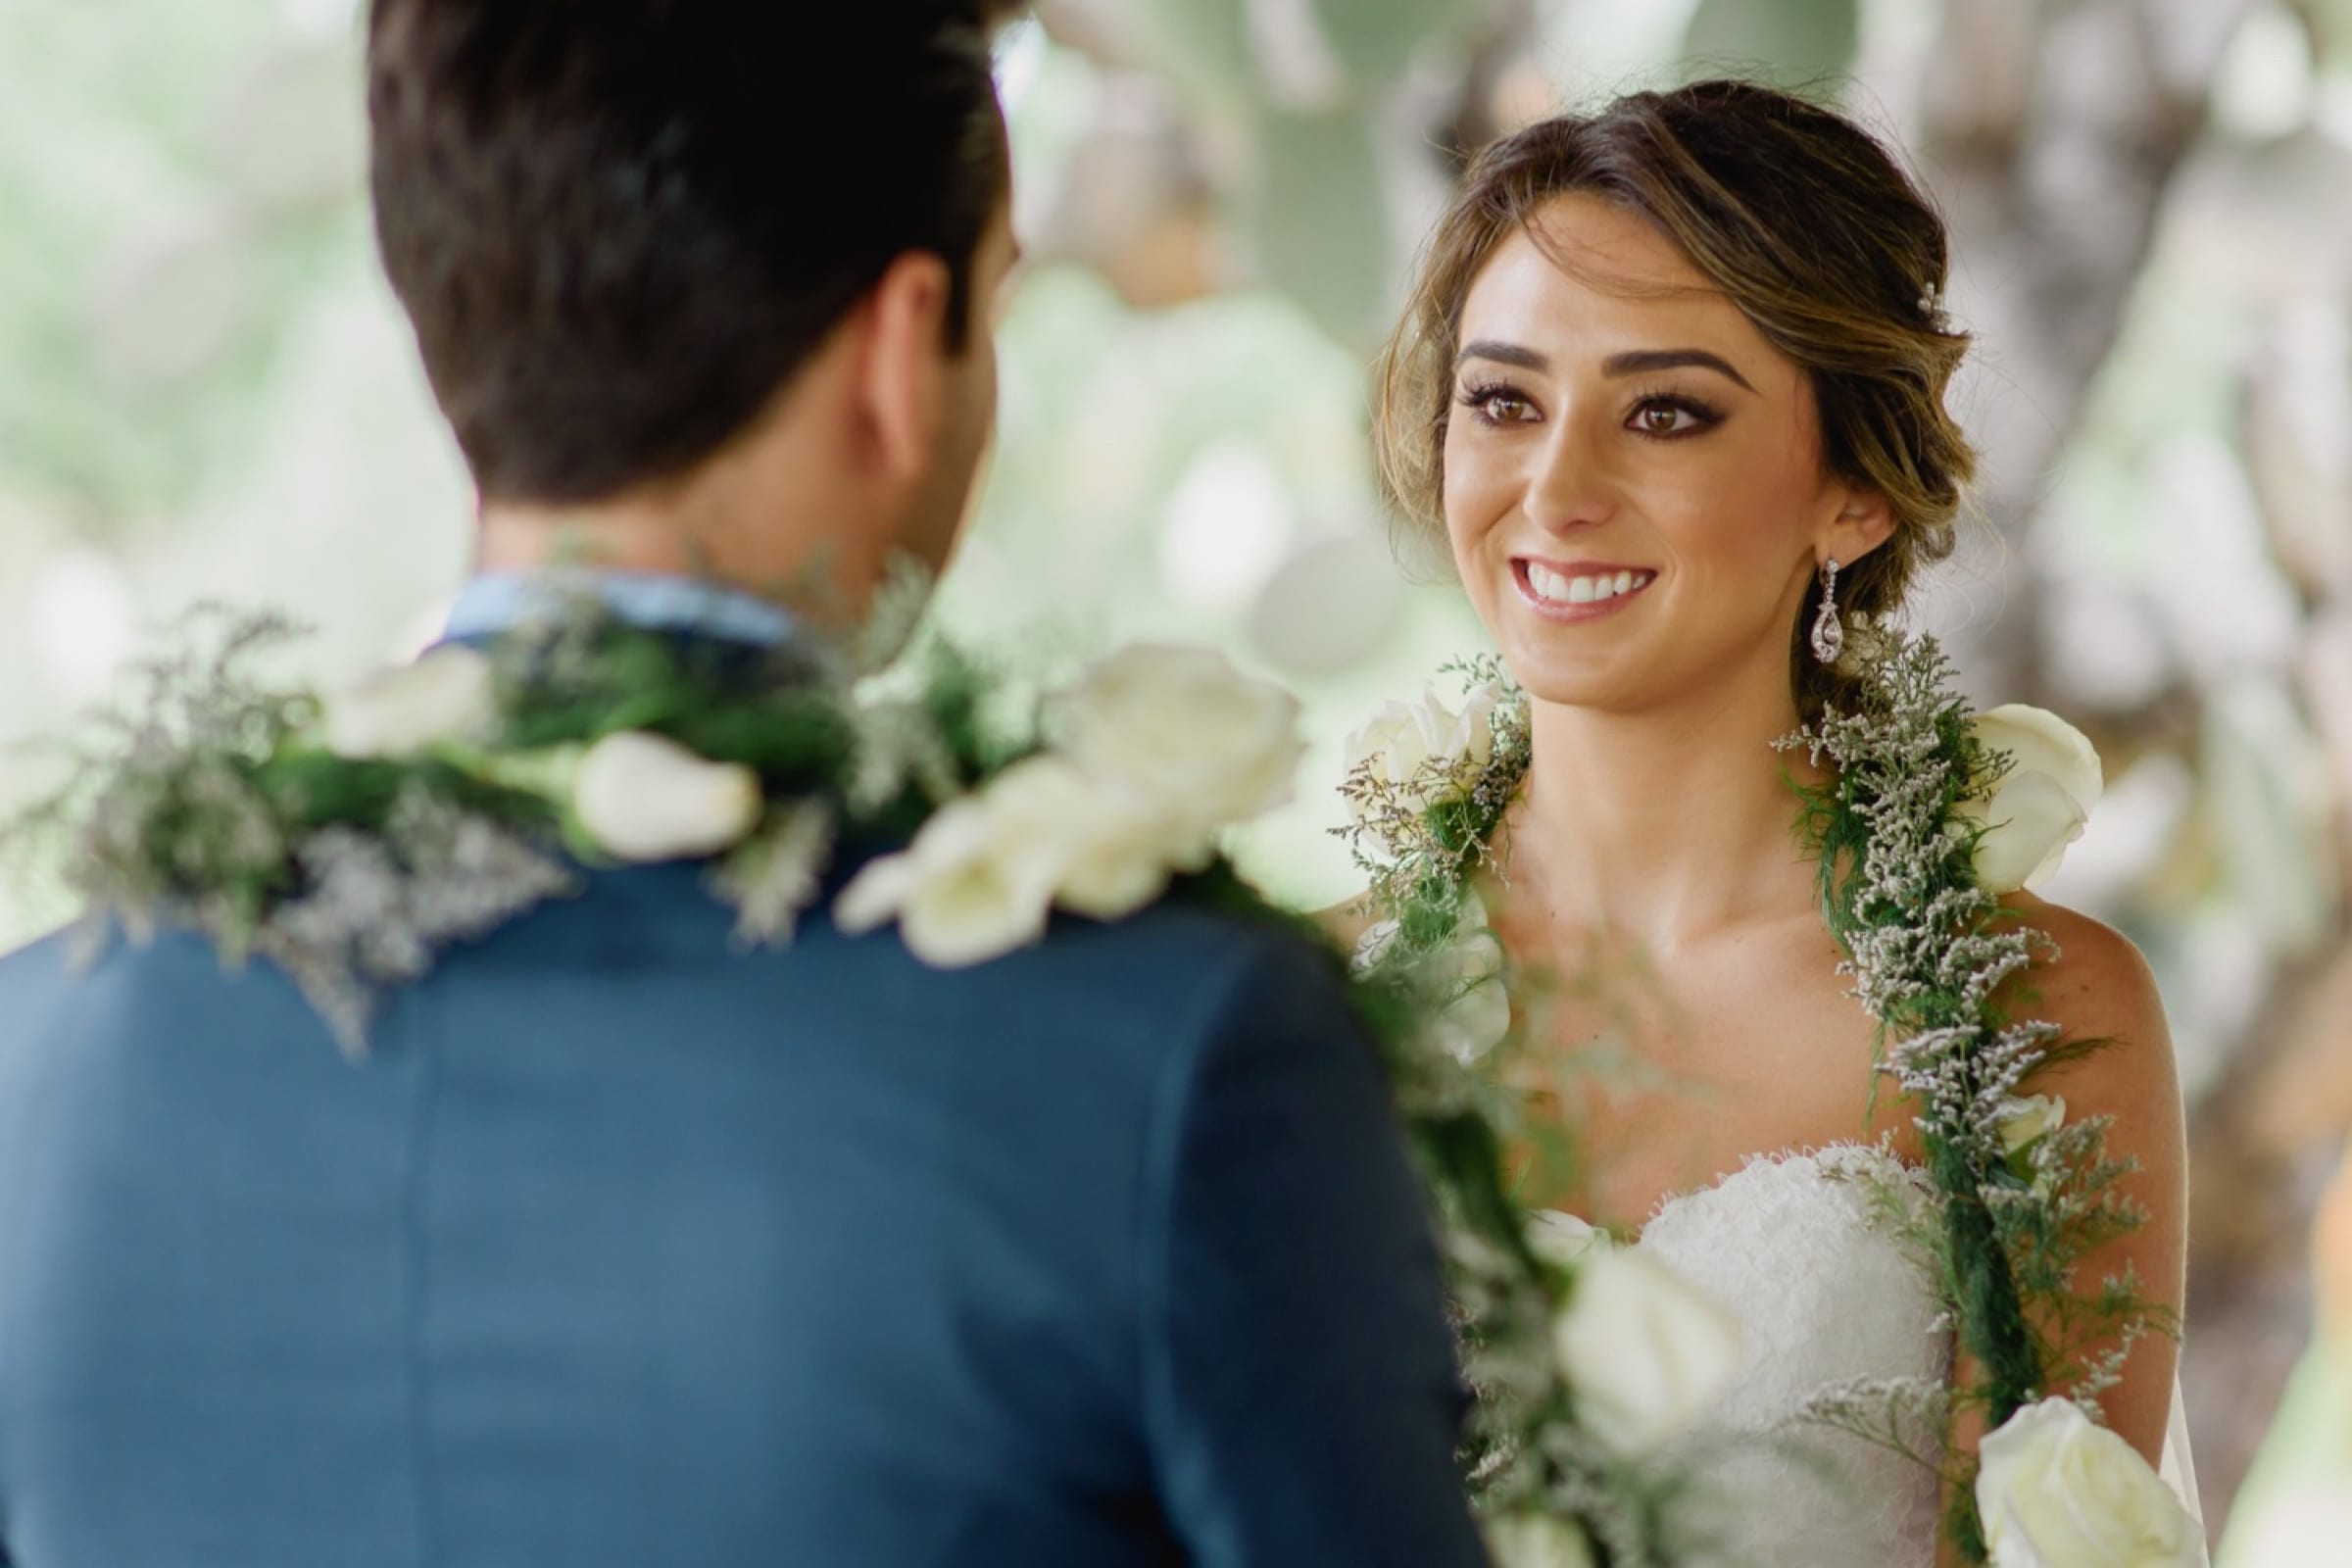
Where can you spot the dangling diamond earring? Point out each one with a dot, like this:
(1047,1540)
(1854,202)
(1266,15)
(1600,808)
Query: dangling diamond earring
(1829,632)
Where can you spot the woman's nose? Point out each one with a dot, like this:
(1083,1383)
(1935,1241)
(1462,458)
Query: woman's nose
(1569,486)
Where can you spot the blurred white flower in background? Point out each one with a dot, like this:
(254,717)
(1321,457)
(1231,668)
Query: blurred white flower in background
(1227,526)
(646,798)
(1645,1350)
(84,621)
(447,695)
(1536,1540)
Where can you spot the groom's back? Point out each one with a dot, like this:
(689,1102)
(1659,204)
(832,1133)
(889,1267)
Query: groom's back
(622,1248)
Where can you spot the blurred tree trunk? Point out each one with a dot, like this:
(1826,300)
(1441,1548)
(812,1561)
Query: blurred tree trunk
(2050,131)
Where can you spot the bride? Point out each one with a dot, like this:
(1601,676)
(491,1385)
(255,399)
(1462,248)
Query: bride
(1672,376)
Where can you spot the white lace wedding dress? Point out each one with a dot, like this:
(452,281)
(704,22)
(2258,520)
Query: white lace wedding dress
(1798,1249)
(1804,1252)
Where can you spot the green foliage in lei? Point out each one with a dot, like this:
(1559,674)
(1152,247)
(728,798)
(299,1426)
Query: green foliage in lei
(1935,957)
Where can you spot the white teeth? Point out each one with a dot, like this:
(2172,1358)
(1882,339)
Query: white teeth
(1557,588)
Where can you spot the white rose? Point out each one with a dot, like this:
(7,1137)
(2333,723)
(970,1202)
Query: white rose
(983,876)
(2034,1116)
(1469,996)
(974,885)
(447,695)
(1462,984)
(1111,856)
(2039,806)
(1186,732)
(2057,1491)
(1536,1540)
(1473,1002)
(1400,742)
(642,798)
(1643,1349)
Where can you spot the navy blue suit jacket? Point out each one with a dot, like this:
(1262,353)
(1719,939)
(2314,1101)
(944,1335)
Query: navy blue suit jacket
(620,1247)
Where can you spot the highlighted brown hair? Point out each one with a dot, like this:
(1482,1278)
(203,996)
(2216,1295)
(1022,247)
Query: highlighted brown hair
(1805,223)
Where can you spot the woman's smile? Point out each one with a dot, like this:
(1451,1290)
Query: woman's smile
(1571,592)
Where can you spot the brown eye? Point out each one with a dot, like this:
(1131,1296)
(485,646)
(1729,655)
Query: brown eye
(1670,418)
(1500,404)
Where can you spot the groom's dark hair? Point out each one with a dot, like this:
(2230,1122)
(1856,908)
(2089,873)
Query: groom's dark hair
(620,229)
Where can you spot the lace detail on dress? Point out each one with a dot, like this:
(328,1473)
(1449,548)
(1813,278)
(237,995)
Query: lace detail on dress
(1804,1249)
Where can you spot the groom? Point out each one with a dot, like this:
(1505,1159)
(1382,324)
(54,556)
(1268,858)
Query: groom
(623,1249)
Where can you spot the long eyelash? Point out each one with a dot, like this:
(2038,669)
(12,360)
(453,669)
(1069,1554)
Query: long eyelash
(1478,394)
(1707,413)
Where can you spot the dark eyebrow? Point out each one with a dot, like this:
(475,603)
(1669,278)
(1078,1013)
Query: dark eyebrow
(1502,354)
(1637,361)
(1634,362)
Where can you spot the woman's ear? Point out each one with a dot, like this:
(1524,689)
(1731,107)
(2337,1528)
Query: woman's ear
(901,373)
(1864,521)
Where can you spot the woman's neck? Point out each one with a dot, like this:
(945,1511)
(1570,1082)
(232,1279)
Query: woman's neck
(1669,825)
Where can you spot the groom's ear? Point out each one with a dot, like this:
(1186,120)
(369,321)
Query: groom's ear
(902,371)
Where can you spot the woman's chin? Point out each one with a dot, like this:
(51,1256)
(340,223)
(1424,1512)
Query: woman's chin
(1549,677)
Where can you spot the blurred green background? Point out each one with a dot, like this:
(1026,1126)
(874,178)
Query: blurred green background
(206,392)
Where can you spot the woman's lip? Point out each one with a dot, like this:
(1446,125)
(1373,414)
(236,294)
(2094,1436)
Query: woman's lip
(1554,610)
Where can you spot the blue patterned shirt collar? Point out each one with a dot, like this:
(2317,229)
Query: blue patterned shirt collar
(497,602)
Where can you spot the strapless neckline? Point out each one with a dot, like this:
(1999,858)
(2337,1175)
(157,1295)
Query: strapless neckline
(1823,1157)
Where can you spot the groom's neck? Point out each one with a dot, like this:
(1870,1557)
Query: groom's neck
(775,514)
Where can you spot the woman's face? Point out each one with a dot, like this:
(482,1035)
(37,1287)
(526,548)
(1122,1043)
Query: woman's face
(1633,487)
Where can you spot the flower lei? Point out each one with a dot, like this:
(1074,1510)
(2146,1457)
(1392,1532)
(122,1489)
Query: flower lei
(351,838)
(1905,839)
(1557,1480)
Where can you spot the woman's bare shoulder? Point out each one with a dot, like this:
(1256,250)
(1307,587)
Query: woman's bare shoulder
(2090,979)
(2096,986)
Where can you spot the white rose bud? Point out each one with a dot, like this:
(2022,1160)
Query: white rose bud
(1536,1540)
(642,798)
(1401,740)
(1645,1350)
(2039,808)
(2030,1119)
(447,695)
(1185,733)
(1565,1239)
(2057,1491)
